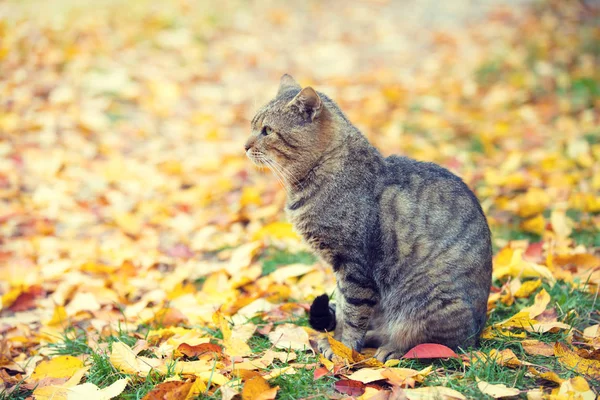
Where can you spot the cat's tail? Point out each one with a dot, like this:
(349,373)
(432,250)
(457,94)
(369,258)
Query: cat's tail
(322,314)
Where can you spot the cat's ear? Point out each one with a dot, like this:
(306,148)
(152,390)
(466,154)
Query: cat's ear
(286,83)
(308,101)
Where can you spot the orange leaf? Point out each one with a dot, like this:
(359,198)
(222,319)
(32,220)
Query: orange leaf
(195,351)
(319,372)
(535,347)
(172,390)
(258,388)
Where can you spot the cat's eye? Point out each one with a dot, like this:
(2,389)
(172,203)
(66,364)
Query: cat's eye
(265,131)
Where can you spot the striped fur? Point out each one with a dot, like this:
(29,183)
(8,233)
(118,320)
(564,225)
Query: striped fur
(408,241)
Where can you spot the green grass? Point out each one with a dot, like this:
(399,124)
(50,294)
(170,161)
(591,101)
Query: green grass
(274,258)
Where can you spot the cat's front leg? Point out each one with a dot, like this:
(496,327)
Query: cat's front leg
(360,297)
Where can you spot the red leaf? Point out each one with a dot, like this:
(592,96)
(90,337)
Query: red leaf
(194,351)
(26,300)
(430,350)
(534,252)
(319,372)
(350,387)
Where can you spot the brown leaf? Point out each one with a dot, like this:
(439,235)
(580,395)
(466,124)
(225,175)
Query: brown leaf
(350,387)
(26,300)
(172,390)
(195,351)
(535,347)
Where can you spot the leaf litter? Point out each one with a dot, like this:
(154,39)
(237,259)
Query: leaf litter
(135,235)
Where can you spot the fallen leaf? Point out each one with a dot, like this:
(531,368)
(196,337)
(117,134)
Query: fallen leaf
(432,392)
(203,348)
(535,347)
(569,358)
(575,388)
(366,375)
(349,387)
(289,336)
(258,388)
(58,367)
(430,350)
(171,390)
(89,391)
(527,288)
(497,391)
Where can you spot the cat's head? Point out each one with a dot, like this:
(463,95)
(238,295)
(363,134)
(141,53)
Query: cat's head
(292,132)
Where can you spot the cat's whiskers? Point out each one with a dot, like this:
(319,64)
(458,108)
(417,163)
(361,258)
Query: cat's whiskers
(286,173)
(280,176)
(269,164)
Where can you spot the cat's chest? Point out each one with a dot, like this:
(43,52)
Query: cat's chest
(323,233)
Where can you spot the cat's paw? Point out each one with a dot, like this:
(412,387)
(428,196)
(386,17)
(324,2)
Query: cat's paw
(325,348)
(385,353)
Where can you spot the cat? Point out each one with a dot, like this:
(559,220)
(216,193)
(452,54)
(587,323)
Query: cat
(408,241)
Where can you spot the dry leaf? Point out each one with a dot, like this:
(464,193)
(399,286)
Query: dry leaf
(432,392)
(58,367)
(258,388)
(535,347)
(289,336)
(569,358)
(497,391)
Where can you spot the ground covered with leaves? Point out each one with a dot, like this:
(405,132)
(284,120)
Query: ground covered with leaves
(142,256)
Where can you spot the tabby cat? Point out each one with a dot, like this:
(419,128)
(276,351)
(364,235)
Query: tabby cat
(407,240)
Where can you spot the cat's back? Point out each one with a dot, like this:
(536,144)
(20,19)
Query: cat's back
(430,217)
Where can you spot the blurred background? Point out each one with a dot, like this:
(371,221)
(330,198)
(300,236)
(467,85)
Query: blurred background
(122,123)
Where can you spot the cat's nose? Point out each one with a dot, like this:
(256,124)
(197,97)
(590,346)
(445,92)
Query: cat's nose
(249,143)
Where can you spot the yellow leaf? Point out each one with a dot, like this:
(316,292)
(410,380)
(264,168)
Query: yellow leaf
(274,373)
(542,299)
(89,391)
(527,288)
(533,202)
(568,357)
(58,367)
(277,230)
(328,364)
(432,392)
(536,224)
(192,367)
(59,317)
(561,224)
(129,223)
(257,388)
(592,331)
(548,375)
(366,375)
(223,324)
(575,388)
(543,327)
(516,266)
(250,195)
(506,358)
(196,390)
(497,391)
(236,348)
(347,354)
(123,358)
(59,392)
